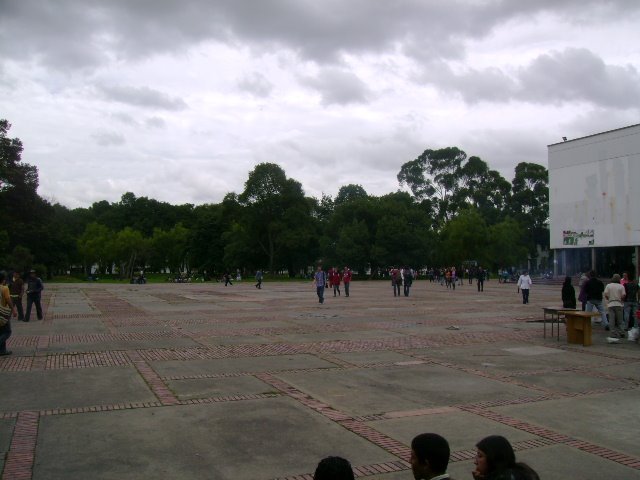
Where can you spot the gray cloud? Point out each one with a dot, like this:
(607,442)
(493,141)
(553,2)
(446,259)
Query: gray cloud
(142,97)
(578,74)
(71,34)
(155,122)
(108,139)
(256,84)
(338,86)
(555,78)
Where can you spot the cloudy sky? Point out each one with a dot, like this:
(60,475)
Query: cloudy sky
(178,100)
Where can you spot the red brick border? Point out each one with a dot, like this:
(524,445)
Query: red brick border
(159,388)
(21,455)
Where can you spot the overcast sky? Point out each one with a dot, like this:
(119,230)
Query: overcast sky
(178,100)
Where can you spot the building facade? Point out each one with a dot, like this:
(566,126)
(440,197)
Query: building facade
(594,203)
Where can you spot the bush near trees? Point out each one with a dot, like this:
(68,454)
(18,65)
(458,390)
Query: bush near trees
(455,209)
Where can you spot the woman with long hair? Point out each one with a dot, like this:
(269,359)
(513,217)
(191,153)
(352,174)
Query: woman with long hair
(495,460)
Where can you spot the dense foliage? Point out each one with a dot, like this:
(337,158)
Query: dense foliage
(458,209)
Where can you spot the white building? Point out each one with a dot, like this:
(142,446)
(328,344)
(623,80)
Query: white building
(594,202)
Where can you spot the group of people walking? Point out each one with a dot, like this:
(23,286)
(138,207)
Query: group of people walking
(333,278)
(11,294)
(495,460)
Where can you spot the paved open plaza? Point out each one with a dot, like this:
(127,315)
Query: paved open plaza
(202,381)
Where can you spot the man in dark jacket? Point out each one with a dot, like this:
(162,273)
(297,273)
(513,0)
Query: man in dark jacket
(593,290)
(34,292)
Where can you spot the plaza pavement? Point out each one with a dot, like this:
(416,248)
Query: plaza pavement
(202,381)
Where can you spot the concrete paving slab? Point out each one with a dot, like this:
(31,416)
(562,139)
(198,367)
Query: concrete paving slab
(570,382)
(248,440)
(49,389)
(561,461)
(503,359)
(6,431)
(231,324)
(239,365)
(405,388)
(608,419)
(218,387)
(626,370)
(461,429)
(362,358)
(333,336)
(77,326)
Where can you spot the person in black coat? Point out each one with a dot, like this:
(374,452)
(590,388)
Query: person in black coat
(568,294)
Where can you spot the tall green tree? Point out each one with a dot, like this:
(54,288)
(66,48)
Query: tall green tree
(530,202)
(95,247)
(506,244)
(464,238)
(128,247)
(277,217)
(435,175)
(169,248)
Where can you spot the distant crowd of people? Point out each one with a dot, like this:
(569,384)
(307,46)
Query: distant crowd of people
(430,453)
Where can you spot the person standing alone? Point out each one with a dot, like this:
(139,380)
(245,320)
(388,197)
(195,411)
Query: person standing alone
(34,294)
(524,284)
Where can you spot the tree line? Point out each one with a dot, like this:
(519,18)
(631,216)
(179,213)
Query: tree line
(455,209)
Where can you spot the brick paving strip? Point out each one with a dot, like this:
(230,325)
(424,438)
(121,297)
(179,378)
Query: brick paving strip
(20,458)
(157,385)
(603,452)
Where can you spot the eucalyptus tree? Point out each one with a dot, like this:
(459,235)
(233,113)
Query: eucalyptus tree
(277,218)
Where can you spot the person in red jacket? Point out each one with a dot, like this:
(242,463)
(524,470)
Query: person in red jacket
(334,280)
(346,278)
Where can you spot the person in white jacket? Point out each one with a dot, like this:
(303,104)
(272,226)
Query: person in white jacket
(524,284)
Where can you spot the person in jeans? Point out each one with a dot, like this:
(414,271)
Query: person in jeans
(320,280)
(593,290)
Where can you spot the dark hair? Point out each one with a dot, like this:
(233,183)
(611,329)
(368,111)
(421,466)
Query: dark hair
(592,274)
(501,458)
(2,276)
(333,468)
(498,451)
(432,448)
(567,280)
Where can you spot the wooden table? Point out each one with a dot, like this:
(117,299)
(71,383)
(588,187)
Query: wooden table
(556,313)
(579,326)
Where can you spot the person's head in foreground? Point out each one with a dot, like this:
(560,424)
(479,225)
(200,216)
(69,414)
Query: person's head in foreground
(429,456)
(333,468)
(495,460)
